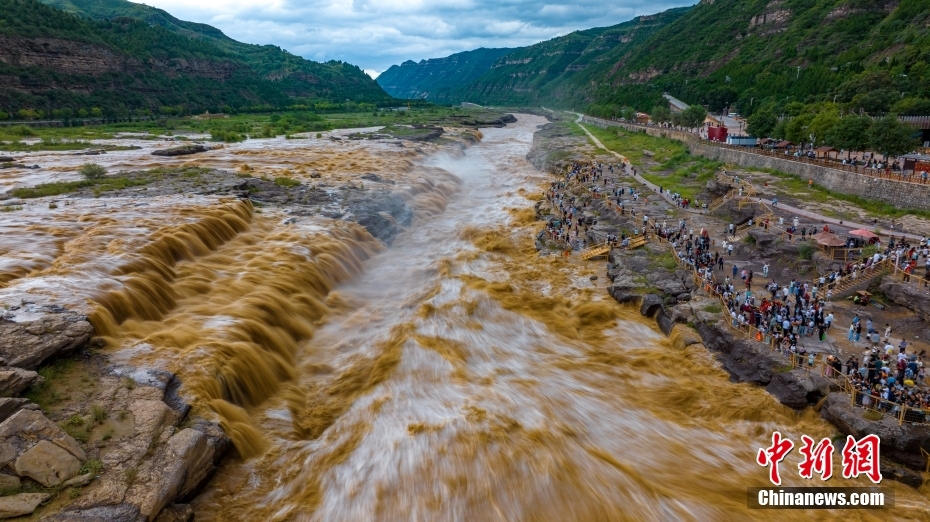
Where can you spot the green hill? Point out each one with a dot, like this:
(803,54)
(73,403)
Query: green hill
(429,77)
(867,54)
(122,58)
(870,56)
(559,72)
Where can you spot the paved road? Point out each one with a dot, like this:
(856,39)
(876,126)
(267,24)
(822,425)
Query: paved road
(786,208)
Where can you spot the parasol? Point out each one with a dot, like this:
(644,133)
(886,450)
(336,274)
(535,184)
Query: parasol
(863,233)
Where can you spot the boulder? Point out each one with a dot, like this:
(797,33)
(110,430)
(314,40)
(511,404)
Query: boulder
(746,360)
(900,474)
(48,464)
(80,480)
(901,443)
(22,504)
(798,388)
(664,322)
(10,405)
(15,380)
(181,464)
(908,295)
(25,428)
(650,305)
(33,337)
(183,150)
(9,482)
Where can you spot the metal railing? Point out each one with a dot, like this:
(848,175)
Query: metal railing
(687,136)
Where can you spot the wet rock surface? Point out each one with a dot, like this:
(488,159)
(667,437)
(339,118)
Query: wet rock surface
(183,150)
(14,380)
(31,334)
(11,405)
(901,443)
(908,295)
(21,504)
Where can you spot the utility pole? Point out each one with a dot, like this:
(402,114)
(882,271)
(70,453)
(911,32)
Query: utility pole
(799,72)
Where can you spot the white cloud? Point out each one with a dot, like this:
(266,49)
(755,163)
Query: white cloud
(375,34)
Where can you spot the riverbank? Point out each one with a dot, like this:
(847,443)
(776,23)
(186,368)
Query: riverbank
(685,311)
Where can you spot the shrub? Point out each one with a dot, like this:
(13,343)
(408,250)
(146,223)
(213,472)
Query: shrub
(92,171)
(98,413)
(92,466)
(286,182)
(806,251)
(23,131)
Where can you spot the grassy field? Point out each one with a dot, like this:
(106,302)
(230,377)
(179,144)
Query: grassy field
(676,169)
(234,128)
(797,188)
(679,171)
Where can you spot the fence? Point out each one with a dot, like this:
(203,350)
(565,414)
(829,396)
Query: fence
(900,412)
(690,137)
(920,282)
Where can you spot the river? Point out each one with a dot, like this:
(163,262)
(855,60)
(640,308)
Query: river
(465,378)
(456,375)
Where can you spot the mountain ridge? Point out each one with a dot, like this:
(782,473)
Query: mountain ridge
(724,54)
(55,60)
(420,79)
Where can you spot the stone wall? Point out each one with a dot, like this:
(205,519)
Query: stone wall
(899,193)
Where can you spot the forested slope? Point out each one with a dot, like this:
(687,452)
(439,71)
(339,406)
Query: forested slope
(51,60)
(429,78)
(868,56)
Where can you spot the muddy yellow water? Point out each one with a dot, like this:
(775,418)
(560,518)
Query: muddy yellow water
(456,375)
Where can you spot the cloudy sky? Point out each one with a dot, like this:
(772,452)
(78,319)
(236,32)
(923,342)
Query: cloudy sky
(375,34)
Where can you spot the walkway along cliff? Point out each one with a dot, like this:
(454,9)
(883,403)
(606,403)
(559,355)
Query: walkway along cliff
(685,308)
(865,184)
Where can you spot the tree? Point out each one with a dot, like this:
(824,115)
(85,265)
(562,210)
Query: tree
(693,116)
(850,133)
(890,137)
(780,130)
(92,171)
(762,123)
(912,107)
(797,129)
(823,123)
(628,113)
(660,114)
